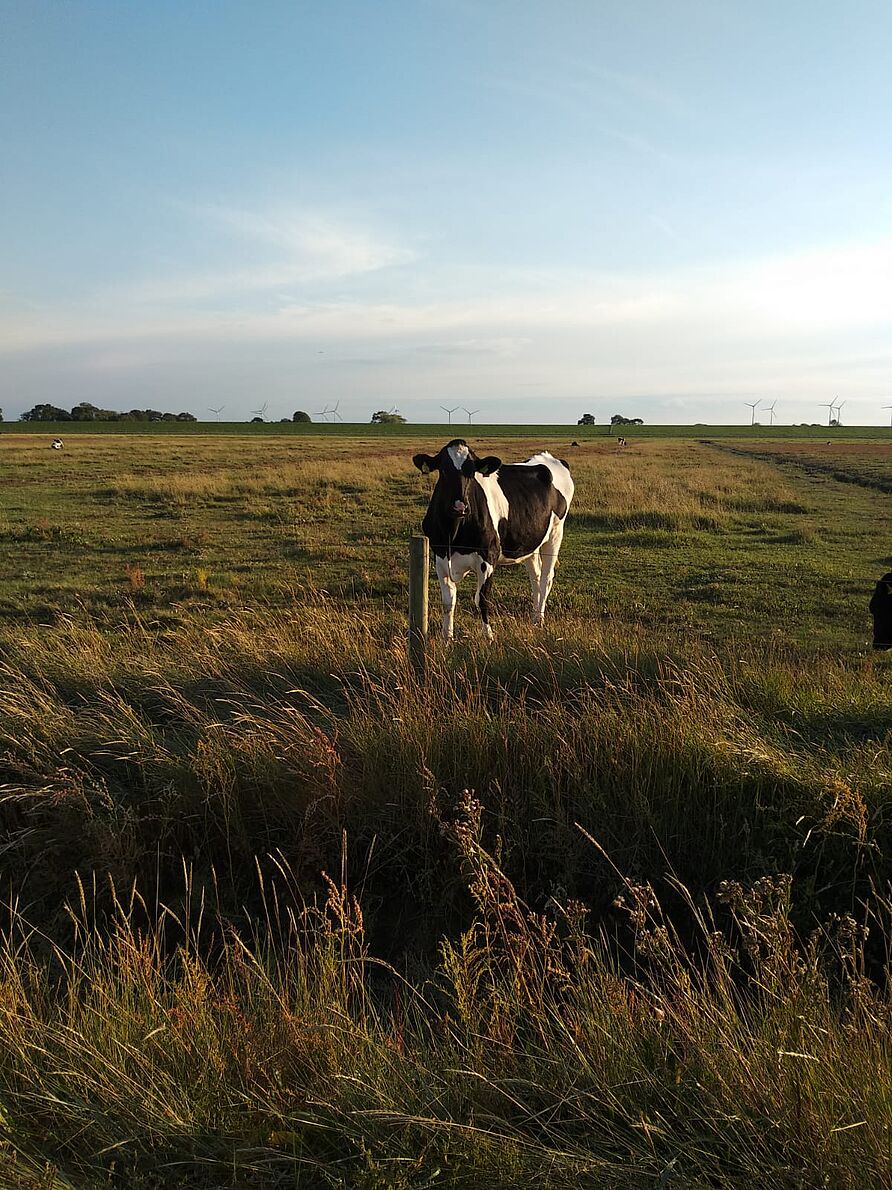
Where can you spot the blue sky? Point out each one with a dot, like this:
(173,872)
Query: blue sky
(537,210)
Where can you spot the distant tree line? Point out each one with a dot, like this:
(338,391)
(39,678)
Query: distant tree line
(588,419)
(87,412)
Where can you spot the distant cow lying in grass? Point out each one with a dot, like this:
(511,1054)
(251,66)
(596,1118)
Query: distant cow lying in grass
(483,514)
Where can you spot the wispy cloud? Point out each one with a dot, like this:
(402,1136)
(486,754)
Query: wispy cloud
(615,103)
(637,143)
(472,347)
(317,243)
(283,247)
(785,324)
(639,89)
(665,227)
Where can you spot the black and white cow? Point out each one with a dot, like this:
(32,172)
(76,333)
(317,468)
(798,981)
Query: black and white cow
(483,514)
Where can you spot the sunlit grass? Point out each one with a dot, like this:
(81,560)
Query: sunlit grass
(591,970)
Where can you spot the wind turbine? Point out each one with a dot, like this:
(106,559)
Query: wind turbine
(449,412)
(211,409)
(831,407)
(770,409)
(470,413)
(890,415)
(838,407)
(752,405)
(260,412)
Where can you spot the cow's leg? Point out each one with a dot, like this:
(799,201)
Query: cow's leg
(534,569)
(447,594)
(481,595)
(550,549)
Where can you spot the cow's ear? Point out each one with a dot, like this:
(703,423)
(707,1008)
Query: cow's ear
(488,465)
(425,463)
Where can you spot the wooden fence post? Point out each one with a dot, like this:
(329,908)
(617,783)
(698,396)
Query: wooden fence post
(418,572)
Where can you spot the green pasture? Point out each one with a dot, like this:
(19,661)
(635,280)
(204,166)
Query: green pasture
(820,433)
(604,904)
(672,536)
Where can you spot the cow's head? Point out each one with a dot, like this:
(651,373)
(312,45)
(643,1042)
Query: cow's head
(457,465)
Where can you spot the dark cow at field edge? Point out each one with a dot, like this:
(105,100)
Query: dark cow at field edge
(483,514)
(881,609)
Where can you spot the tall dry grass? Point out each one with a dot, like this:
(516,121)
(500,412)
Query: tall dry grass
(529,1056)
(125,751)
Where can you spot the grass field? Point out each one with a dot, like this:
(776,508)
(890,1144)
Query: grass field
(603,905)
(436,430)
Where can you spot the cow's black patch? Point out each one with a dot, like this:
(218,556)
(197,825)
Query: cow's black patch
(532,498)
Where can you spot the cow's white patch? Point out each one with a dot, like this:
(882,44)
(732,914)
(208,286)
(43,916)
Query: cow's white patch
(456,567)
(496,500)
(459,455)
(451,571)
(560,474)
(551,547)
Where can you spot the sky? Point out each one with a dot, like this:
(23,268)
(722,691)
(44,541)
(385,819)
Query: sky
(669,209)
